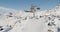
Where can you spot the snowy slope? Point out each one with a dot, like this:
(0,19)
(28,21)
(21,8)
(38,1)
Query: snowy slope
(39,21)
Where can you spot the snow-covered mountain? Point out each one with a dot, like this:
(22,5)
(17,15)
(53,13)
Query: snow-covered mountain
(39,21)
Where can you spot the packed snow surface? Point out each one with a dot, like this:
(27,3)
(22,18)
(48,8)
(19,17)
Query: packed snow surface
(38,21)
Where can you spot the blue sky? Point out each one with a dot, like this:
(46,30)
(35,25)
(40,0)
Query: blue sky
(25,4)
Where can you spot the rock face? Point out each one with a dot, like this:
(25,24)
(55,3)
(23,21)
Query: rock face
(39,21)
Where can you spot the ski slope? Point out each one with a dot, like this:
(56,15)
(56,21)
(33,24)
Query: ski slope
(39,21)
